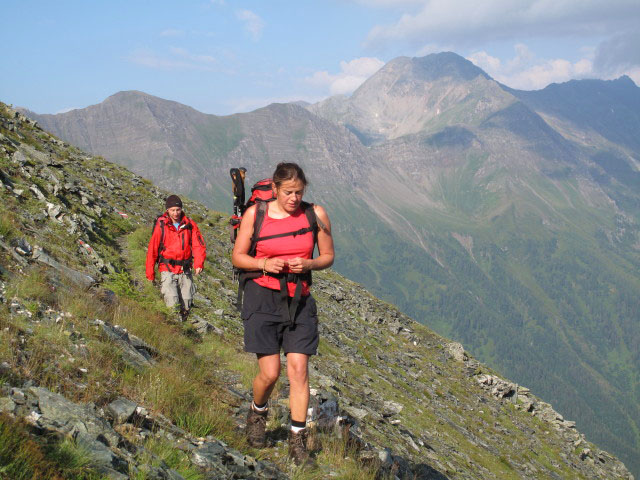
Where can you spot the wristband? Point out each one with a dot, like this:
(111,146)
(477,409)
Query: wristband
(264,267)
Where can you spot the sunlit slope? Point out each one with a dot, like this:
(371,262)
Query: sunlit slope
(529,261)
(503,219)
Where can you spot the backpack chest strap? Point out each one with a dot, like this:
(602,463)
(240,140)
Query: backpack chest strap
(301,231)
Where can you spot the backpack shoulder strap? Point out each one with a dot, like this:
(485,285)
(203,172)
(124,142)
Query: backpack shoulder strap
(261,211)
(310,213)
(189,226)
(159,222)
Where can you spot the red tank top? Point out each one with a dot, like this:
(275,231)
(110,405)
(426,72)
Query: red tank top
(284,247)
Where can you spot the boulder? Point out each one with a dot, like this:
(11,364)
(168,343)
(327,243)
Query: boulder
(121,410)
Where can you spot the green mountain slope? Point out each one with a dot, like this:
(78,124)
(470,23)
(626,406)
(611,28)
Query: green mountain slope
(508,223)
(113,387)
(610,109)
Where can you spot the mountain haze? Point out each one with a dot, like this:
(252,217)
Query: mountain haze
(506,220)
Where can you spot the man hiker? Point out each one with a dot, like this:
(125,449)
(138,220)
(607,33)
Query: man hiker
(178,248)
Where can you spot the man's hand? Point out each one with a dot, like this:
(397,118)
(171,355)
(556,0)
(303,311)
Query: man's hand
(197,270)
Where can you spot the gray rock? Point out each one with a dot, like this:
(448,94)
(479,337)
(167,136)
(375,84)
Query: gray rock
(19,158)
(18,396)
(138,357)
(236,457)
(208,455)
(357,413)
(385,457)
(6,405)
(325,413)
(102,458)
(456,350)
(53,210)
(151,472)
(24,248)
(62,416)
(391,408)
(79,278)
(121,410)
(203,327)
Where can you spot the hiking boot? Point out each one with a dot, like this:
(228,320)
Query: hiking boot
(184,314)
(256,428)
(298,448)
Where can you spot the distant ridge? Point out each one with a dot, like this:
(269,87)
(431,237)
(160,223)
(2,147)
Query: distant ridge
(509,221)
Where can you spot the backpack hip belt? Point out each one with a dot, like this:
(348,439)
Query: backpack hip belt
(185,264)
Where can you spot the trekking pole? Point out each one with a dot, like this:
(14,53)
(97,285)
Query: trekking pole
(237,179)
(243,173)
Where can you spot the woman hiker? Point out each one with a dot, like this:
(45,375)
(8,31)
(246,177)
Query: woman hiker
(278,311)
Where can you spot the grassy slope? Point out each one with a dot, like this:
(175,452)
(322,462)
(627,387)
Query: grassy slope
(529,290)
(190,380)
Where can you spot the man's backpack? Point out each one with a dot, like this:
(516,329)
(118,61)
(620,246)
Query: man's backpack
(261,194)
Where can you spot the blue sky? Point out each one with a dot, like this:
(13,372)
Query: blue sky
(225,56)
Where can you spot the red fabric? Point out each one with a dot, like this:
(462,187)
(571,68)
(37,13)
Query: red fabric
(284,247)
(179,244)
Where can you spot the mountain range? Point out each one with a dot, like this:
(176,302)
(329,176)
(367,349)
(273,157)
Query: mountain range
(507,220)
(98,379)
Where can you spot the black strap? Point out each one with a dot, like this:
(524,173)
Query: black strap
(185,264)
(261,211)
(286,234)
(161,244)
(243,277)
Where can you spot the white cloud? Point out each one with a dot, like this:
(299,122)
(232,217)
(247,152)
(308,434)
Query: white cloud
(618,54)
(252,23)
(172,32)
(195,58)
(176,59)
(634,74)
(388,3)
(470,21)
(527,72)
(352,75)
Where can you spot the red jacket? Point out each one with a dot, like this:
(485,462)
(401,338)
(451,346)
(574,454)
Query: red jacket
(179,244)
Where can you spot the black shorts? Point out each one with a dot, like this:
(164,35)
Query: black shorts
(266,331)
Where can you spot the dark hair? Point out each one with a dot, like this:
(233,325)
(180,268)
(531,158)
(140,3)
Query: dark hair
(288,171)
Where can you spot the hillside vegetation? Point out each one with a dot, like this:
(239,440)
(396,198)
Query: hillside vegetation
(99,380)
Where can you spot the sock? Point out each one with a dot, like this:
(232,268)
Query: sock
(259,408)
(297,426)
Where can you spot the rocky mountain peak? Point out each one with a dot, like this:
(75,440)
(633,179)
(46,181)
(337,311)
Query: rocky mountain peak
(430,68)
(410,95)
